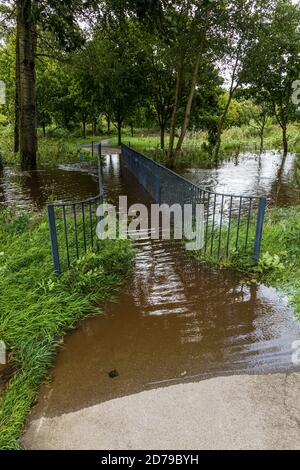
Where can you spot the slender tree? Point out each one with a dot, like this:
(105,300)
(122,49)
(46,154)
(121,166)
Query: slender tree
(273,64)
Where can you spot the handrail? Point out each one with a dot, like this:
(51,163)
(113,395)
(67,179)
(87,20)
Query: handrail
(186,180)
(157,180)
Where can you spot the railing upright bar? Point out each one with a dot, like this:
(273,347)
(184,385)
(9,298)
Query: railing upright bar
(213,226)
(100,171)
(229,227)
(221,224)
(83,226)
(75,230)
(53,237)
(91,225)
(207,222)
(238,225)
(66,236)
(248,224)
(259,227)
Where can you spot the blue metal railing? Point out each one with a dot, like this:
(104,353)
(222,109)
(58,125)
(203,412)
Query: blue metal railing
(72,226)
(233,223)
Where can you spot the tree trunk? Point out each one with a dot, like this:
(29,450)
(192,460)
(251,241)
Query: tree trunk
(131,128)
(108,124)
(220,127)
(285,140)
(189,103)
(174,114)
(162,136)
(27,45)
(233,87)
(119,133)
(17,98)
(261,148)
(262,132)
(44,128)
(84,129)
(94,126)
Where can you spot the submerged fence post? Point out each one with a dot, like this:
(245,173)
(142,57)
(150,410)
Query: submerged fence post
(259,227)
(100,172)
(53,237)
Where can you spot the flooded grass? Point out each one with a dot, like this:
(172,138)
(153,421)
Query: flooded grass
(195,148)
(279,264)
(36,308)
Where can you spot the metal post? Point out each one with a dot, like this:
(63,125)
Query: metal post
(53,237)
(259,227)
(100,172)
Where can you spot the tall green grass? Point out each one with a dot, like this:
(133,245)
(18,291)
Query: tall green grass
(56,147)
(36,307)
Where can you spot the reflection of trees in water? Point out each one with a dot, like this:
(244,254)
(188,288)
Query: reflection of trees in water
(33,189)
(295,175)
(211,314)
(32,184)
(283,189)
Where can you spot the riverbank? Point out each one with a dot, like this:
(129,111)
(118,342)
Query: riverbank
(37,309)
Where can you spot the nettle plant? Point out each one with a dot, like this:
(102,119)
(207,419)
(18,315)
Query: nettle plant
(269,262)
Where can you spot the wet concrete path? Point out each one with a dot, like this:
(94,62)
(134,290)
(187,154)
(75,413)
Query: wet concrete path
(236,412)
(176,322)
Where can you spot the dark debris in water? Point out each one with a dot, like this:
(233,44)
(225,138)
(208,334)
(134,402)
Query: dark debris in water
(113,373)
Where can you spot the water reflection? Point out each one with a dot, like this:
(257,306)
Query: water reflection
(175,321)
(31,190)
(254,175)
(246,174)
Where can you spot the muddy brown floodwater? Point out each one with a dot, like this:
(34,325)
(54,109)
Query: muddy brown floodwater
(175,321)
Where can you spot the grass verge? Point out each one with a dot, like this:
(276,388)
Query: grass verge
(36,308)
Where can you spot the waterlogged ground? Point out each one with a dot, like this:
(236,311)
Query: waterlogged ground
(176,321)
(30,190)
(248,174)
(253,175)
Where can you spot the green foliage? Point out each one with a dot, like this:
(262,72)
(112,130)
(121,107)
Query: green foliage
(35,306)
(273,62)
(268,263)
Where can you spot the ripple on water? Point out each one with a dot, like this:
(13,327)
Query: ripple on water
(175,321)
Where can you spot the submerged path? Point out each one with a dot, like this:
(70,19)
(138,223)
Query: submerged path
(175,323)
